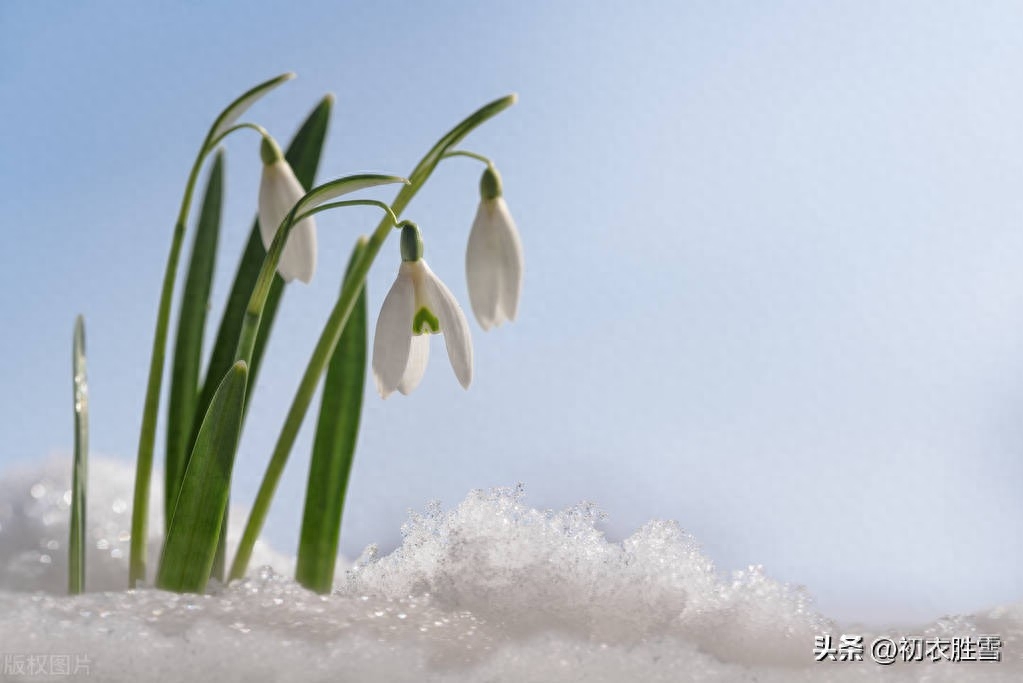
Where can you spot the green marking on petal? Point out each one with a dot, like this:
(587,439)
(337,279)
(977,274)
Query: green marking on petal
(425,322)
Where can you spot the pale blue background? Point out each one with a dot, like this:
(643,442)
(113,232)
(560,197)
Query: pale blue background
(773,256)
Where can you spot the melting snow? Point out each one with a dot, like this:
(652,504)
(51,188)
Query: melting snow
(490,591)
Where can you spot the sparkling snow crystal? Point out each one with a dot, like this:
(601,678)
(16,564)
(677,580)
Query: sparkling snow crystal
(490,591)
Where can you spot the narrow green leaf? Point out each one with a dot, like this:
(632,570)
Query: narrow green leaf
(303,154)
(184,385)
(194,532)
(79,477)
(334,448)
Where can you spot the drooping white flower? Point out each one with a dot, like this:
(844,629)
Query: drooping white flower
(279,191)
(417,305)
(493,257)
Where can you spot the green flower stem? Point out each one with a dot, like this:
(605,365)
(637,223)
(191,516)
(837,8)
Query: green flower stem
(349,202)
(147,437)
(254,311)
(306,389)
(335,326)
(239,126)
(466,153)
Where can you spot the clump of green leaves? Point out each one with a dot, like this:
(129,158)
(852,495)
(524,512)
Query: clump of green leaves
(206,412)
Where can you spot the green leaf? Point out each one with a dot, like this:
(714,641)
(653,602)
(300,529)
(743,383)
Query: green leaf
(194,531)
(184,385)
(241,105)
(334,448)
(77,543)
(303,155)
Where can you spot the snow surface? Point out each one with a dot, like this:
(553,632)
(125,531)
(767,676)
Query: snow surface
(490,591)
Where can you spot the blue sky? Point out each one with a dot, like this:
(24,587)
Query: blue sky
(772,286)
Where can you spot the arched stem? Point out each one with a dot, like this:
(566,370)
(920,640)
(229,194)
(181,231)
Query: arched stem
(471,155)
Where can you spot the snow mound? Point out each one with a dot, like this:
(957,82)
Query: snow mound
(492,590)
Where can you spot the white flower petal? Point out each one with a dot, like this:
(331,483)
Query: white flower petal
(277,194)
(299,258)
(494,264)
(482,279)
(453,325)
(279,191)
(510,261)
(393,338)
(418,356)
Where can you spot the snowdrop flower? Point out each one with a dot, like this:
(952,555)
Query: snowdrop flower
(418,305)
(493,258)
(279,191)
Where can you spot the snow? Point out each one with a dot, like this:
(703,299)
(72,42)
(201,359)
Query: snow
(491,590)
